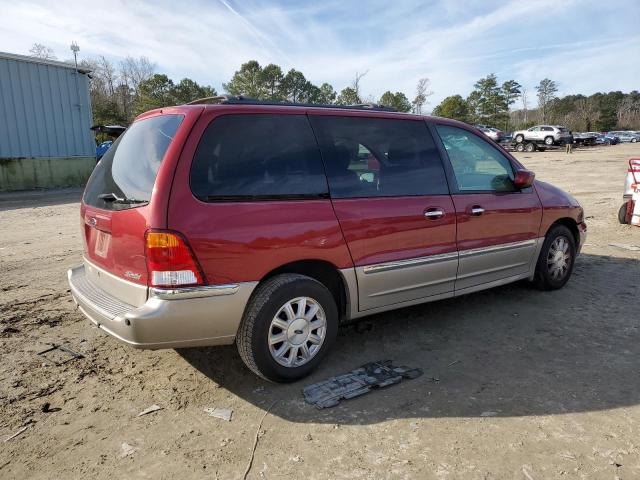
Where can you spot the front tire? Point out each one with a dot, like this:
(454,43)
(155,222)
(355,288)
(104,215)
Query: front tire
(289,325)
(556,260)
(519,138)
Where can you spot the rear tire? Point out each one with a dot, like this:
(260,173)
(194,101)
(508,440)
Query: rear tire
(622,214)
(530,147)
(520,147)
(556,260)
(277,340)
(548,141)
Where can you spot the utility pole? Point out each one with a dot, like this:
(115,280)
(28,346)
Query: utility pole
(75,49)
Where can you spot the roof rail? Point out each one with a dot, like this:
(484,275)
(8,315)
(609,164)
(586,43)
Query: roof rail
(227,99)
(373,106)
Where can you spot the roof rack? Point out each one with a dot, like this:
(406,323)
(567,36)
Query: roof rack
(242,100)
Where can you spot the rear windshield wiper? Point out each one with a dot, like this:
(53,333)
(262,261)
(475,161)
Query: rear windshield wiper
(113,198)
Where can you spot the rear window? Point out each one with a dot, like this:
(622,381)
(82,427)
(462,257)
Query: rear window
(258,156)
(128,169)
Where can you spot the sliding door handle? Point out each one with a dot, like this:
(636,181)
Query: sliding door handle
(477,210)
(434,213)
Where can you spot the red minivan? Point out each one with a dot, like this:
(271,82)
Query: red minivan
(269,225)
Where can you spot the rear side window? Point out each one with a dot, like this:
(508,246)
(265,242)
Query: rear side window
(258,156)
(477,165)
(376,157)
(128,169)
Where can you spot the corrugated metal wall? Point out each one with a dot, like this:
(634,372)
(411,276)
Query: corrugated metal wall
(43,111)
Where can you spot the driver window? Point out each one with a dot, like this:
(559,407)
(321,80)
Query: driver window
(477,165)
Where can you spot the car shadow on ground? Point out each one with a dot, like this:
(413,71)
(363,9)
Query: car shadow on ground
(510,351)
(39,198)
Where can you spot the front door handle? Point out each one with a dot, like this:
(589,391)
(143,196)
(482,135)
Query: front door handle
(477,210)
(434,213)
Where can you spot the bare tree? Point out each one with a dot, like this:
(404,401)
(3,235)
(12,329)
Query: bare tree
(547,90)
(39,50)
(525,104)
(133,71)
(422,95)
(587,113)
(109,75)
(356,83)
(628,113)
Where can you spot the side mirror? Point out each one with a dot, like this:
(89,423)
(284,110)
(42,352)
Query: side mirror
(524,179)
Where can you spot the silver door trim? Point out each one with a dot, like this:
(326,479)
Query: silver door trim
(413,262)
(410,262)
(350,275)
(492,270)
(497,248)
(412,287)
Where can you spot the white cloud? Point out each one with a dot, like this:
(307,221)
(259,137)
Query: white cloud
(452,43)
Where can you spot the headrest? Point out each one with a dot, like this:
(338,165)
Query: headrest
(337,157)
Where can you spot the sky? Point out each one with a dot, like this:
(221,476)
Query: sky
(585,46)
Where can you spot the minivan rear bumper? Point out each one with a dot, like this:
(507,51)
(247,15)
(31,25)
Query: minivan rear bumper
(171,318)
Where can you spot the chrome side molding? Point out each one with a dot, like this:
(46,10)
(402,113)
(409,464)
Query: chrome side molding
(498,248)
(411,262)
(193,292)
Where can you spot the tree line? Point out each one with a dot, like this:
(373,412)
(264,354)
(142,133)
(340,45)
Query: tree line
(121,91)
(507,106)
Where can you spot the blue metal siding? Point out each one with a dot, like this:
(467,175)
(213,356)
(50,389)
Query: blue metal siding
(43,113)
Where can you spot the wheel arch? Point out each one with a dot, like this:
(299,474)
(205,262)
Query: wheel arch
(571,224)
(324,272)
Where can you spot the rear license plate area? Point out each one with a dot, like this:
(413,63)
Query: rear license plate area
(103,241)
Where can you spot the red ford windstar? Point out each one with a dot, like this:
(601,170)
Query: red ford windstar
(269,225)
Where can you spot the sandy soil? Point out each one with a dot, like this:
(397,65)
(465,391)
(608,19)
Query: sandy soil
(518,383)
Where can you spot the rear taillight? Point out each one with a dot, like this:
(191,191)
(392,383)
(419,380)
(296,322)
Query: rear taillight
(170,261)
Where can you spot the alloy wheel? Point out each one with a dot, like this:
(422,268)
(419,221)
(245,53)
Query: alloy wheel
(559,258)
(297,332)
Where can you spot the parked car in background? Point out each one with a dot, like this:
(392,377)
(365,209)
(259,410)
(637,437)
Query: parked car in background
(585,138)
(506,137)
(626,137)
(491,132)
(549,134)
(269,225)
(607,138)
(102,149)
(104,132)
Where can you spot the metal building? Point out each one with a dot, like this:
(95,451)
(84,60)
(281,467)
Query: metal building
(45,120)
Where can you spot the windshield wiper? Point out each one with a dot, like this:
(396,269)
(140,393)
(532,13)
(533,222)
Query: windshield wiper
(113,198)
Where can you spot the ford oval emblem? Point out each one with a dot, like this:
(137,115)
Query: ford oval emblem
(93,222)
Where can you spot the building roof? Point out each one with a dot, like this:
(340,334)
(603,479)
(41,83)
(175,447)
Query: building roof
(42,61)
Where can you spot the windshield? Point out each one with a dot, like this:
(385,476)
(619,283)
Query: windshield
(125,176)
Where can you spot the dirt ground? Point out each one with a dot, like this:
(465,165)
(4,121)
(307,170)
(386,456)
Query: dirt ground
(518,384)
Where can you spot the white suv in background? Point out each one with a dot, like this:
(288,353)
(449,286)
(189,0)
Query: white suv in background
(549,134)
